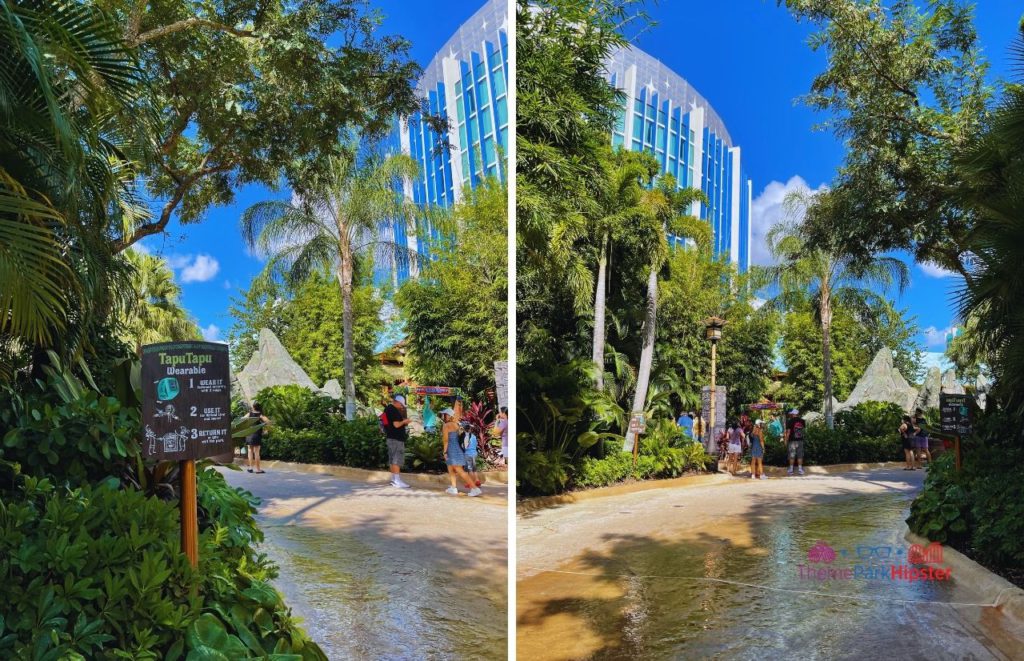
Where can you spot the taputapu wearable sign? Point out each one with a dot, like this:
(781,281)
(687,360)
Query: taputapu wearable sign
(186,400)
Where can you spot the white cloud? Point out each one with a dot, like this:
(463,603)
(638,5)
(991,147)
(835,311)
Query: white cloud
(768,209)
(177,261)
(211,333)
(141,249)
(756,303)
(930,359)
(202,269)
(936,271)
(935,337)
(227,284)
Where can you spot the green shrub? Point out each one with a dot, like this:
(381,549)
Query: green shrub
(296,407)
(823,447)
(67,432)
(942,510)
(425,451)
(103,577)
(363,444)
(543,473)
(594,472)
(871,419)
(302,446)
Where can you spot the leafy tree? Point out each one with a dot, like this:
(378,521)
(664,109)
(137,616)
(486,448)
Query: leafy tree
(905,92)
(312,335)
(456,312)
(253,92)
(260,306)
(565,111)
(993,171)
(66,172)
(156,314)
(827,278)
(335,219)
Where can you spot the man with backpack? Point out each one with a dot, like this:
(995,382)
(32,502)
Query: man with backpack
(795,429)
(394,420)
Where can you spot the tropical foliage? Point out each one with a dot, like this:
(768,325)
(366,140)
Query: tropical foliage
(456,311)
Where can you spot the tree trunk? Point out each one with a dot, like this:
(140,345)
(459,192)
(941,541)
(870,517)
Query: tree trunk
(599,313)
(643,376)
(826,354)
(345,280)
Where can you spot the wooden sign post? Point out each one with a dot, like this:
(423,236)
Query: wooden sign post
(956,419)
(637,426)
(186,415)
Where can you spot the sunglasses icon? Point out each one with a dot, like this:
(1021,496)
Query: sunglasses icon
(880,552)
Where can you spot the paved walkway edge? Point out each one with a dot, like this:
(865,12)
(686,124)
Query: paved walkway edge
(1008,598)
(831,469)
(364,475)
(528,505)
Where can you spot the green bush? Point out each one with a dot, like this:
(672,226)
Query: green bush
(67,432)
(296,407)
(425,451)
(301,446)
(871,419)
(543,472)
(841,445)
(594,472)
(942,510)
(363,444)
(103,577)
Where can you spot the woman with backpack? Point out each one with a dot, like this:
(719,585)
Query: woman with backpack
(454,455)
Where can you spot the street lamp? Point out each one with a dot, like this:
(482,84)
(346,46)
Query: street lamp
(713,332)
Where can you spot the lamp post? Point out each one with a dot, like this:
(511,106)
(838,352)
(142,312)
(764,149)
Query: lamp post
(713,332)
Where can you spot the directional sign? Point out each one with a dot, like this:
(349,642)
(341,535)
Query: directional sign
(956,414)
(186,400)
(638,423)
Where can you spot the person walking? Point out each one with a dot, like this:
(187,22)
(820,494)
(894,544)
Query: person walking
(471,452)
(907,434)
(454,455)
(686,424)
(757,451)
(734,438)
(502,426)
(921,437)
(795,430)
(255,440)
(395,421)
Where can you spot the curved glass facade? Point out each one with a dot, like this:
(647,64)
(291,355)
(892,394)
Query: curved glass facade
(665,116)
(466,82)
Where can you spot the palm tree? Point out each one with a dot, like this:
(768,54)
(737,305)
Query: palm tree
(671,207)
(621,207)
(336,220)
(156,314)
(69,96)
(990,298)
(824,276)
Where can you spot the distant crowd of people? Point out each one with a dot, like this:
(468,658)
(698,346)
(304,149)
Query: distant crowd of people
(743,434)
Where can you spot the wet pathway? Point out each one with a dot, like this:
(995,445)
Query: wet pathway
(381,573)
(723,572)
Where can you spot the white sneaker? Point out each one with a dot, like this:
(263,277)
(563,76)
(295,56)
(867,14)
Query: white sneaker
(452,490)
(475,491)
(800,470)
(401,484)
(789,471)
(763,476)
(753,477)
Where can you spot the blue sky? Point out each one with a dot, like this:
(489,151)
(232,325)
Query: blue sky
(210,262)
(750,59)
(747,57)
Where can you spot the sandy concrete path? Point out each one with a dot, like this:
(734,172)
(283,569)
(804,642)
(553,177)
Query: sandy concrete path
(716,571)
(383,573)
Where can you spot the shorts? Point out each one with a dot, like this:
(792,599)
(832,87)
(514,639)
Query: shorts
(254,442)
(907,442)
(921,442)
(471,463)
(796,450)
(756,451)
(396,452)
(735,448)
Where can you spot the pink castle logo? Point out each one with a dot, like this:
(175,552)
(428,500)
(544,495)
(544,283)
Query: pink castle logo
(821,552)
